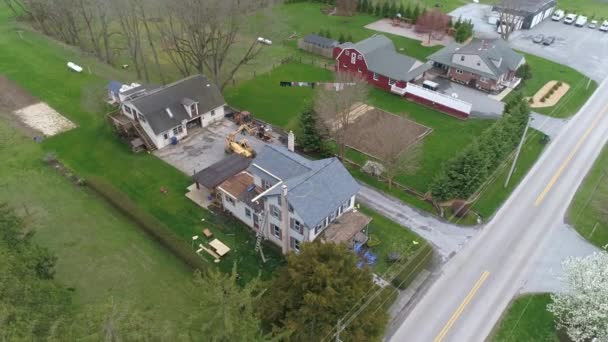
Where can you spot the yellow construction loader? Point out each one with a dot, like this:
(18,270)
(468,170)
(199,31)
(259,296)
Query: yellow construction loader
(242,146)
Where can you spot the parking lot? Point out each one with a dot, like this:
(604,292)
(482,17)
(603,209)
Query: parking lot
(204,147)
(581,48)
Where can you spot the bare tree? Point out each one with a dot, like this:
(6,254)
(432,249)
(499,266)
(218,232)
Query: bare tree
(346,7)
(150,38)
(509,16)
(338,108)
(434,23)
(127,13)
(396,161)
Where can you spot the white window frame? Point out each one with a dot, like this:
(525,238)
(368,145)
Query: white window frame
(248,212)
(353,58)
(483,79)
(294,244)
(212,112)
(458,71)
(391,81)
(275,211)
(375,76)
(360,57)
(230,200)
(141,117)
(347,53)
(276,230)
(462,58)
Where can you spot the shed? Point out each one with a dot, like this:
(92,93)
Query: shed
(532,12)
(318,45)
(216,174)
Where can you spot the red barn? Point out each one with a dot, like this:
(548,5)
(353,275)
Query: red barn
(379,62)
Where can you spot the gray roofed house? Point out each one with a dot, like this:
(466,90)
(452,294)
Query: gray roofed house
(166,113)
(217,173)
(318,193)
(382,58)
(490,62)
(529,12)
(320,41)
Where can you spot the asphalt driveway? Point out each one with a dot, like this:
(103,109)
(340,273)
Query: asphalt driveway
(483,105)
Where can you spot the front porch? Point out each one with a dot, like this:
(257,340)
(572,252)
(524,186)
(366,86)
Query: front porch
(350,228)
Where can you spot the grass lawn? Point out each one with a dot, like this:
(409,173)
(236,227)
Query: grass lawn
(544,71)
(527,319)
(100,253)
(586,209)
(37,64)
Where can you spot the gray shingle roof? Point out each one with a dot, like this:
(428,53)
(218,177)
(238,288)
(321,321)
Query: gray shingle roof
(320,41)
(315,187)
(526,6)
(156,104)
(490,51)
(217,173)
(382,58)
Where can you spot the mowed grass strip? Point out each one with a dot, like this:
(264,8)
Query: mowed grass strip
(527,319)
(101,254)
(589,209)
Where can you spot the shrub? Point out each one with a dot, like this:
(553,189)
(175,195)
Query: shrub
(412,267)
(543,99)
(373,241)
(531,100)
(460,208)
(559,83)
(147,222)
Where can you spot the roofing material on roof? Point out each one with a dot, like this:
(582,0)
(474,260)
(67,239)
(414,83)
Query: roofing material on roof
(114,87)
(157,103)
(315,187)
(491,51)
(217,173)
(382,58)
(526,6)
(320,41)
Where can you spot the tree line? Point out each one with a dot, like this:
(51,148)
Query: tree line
(463,175)
(194,36)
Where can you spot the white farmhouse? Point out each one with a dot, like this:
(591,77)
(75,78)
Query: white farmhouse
(289,199)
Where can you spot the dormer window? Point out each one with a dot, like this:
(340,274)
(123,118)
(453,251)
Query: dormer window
(194,109)
(462,58)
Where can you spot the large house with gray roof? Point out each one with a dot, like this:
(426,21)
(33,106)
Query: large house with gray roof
(485,64)
(167,113)
(377,60)
(289,199)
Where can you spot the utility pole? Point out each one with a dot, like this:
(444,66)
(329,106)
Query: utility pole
(521,144)
(588,83)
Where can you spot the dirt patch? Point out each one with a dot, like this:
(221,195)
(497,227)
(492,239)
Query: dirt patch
(376,129)
(550,100)
(386,25)
(34,118)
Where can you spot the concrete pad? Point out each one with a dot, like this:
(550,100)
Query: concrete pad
(199,196)
(483,105)
(478,14)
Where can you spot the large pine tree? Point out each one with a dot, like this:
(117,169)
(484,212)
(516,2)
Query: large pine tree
(312,138)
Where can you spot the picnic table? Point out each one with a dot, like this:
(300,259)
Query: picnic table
(207,233)
(220,248)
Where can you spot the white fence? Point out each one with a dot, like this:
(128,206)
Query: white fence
(439,98)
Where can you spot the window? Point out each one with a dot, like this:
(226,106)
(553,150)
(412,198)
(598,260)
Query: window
(213,112)
(353,58)
(458,71)
(279,200)
(347,52)
(462,58)
(194,109)
(166,136)
(276,231)
(296,225)
(290,208)
(360,57)
(274,211)
(141,117)
(391,81)
(358,69)
(248,212)
(318,228)
(294,244)
(376,77)
(178,130)
(483,79)
(230,200)
(265,184)
(128,110)
(478,63)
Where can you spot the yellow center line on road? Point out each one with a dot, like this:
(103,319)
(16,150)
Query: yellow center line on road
(566,162)
(462,306)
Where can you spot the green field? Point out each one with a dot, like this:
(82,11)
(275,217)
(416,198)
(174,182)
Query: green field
(100,253)
(589,209)
(527,319)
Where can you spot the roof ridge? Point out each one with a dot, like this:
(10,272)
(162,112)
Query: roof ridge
(314,172)
(168,86)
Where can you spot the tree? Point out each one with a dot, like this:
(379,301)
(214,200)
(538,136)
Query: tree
(337,108)
(341,39)
(524,72)
(371,8)
(386,10)
(416,13)
(408,11)
(227,311)
(583,309)
(378,10)
(313,137)
(401,9)
(392,11)
(464,31)
(346,7)
(433,23)
(319,286)
(509,19)
(349,38)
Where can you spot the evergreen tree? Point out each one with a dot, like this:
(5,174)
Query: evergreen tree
(401,9)
(328,33)
(392,10)
(378,10)
(322,33)
(312,138)
(341,39)
(349,38)
(386,9)
(364,6)
(408,11)
(371,8)
(458,23)
(416,13)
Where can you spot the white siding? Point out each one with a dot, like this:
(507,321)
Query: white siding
(208,119)
(351,205)
(238,209)
(471,61)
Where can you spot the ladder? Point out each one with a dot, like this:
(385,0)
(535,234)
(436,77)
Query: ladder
(260,235)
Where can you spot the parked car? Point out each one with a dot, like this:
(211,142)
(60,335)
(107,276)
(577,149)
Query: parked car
(549,40)
(604,27)
(538,38)
(593,24)
(558,15)
(570,18)
(581,21)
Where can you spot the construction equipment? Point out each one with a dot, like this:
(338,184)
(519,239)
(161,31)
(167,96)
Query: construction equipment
(242,146)
(242,118)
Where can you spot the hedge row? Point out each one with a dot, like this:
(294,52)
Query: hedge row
(413,267)
(148,223)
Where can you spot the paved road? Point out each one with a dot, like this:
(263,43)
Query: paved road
(447,238)
(477,284)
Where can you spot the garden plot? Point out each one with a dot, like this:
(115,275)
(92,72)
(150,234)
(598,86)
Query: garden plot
(34,115)
(375,129)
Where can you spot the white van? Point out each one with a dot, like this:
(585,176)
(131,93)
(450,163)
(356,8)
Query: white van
(558,15)
(581,21)
(570,18)
(604,27)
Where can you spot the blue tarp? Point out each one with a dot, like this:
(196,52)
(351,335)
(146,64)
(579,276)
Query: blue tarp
(114,87)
